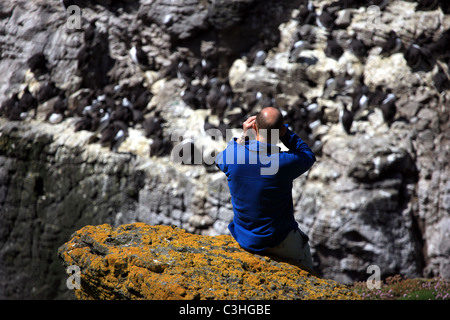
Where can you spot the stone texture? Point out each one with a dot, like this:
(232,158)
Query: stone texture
(51,185)
(53,182)
(138,261)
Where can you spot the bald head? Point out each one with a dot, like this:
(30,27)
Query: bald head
(268,119)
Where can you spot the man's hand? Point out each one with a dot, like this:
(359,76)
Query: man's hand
(249,124)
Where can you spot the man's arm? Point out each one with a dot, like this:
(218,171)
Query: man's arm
(300,157)
(249,130)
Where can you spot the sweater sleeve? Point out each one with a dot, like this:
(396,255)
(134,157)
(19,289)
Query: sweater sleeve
(222,158)
(300,157)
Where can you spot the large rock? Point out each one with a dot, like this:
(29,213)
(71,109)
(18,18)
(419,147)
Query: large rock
(194,23)
(139,261)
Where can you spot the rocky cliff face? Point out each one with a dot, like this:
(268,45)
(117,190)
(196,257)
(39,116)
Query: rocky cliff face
(378,194)
(49,185)
(138,261)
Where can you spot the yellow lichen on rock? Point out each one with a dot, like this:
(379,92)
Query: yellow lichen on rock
(139,261)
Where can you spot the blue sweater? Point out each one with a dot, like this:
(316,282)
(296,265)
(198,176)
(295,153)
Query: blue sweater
(260,181)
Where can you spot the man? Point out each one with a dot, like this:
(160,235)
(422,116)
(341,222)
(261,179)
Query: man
(262,199)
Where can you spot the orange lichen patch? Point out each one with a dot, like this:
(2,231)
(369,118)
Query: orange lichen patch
(139,261)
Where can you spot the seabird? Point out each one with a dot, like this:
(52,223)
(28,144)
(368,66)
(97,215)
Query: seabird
(56,114)
(212,98)
(206,67)
(313,107)
(441,80)
(330,86)
(190,98)
(184,71)
(15,114)
(126,103)
(104,121)
(9,105)
(167,19)
(313,111)
(138,116)
(360,99)
(202,69)
(325,20)
(307,14)
(152,126)
(358,48)
(225,89)
(118,139)
(201,94)
(133,54)
(346,119)
(297,48)
(413,56)
(28,102)
(298,117)
(388,108)
(333,49)
(158,146)
(87,110)
(259,58)
(377,96)
(345,84)
(139,57)
(392,45)
(221,106)
(47,91)
(114,135)
(418,57)
(253,99)
(314,125)
(87,123)
(300,102)
(123,114)
(441,48)
(389,97)
(257,51)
